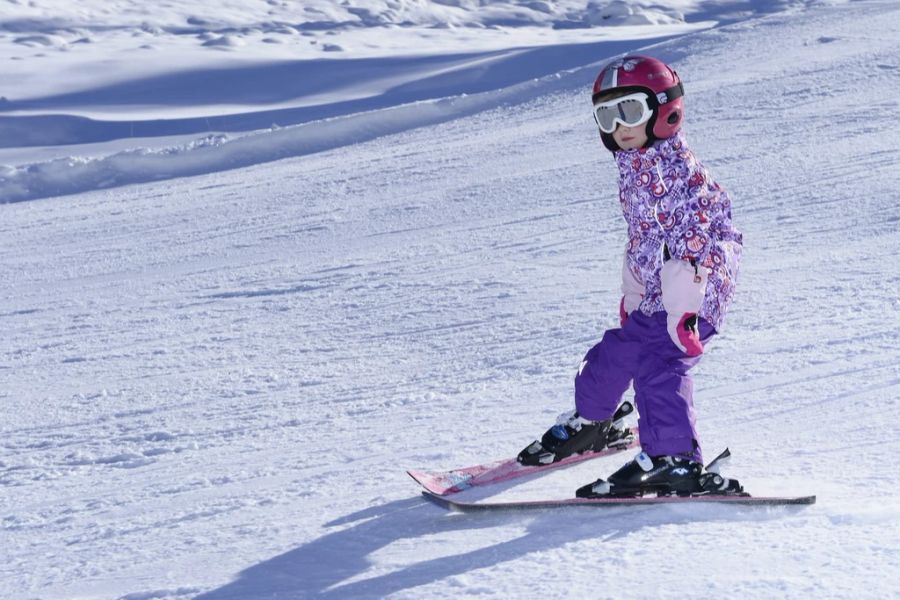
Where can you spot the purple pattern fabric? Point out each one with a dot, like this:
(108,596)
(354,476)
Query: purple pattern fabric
(668,197)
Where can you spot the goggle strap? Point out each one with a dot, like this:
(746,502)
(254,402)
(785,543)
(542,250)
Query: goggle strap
(673,93)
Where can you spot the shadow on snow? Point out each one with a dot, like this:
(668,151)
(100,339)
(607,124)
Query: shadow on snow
(320,568)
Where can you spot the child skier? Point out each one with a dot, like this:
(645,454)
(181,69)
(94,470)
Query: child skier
(678,278)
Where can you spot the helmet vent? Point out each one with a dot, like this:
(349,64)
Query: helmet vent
(673,118)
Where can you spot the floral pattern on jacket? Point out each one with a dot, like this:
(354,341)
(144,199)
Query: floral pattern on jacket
(668,198)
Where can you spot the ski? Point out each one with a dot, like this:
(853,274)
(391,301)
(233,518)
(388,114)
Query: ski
(444,483)
(467,507)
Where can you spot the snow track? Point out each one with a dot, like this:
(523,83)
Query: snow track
(213,385)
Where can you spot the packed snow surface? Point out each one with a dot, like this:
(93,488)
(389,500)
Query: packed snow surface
(222,347)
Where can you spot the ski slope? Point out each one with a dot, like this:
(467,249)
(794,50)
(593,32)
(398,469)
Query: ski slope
(212,385)
(126,91)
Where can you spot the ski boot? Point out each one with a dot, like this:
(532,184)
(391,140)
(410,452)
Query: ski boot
(664,476)
(573,434)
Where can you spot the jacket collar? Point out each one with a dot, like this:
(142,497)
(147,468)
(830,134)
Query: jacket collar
(659,149)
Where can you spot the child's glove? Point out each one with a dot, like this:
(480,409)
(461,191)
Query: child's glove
(683,289)
(633,293)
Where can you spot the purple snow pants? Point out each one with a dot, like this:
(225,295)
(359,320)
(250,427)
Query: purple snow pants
(642,352)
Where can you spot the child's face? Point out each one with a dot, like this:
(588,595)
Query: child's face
(630,138)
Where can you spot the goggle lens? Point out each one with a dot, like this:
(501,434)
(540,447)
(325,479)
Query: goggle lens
(628,110)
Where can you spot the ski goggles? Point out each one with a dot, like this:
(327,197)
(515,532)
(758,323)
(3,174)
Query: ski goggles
(630,110)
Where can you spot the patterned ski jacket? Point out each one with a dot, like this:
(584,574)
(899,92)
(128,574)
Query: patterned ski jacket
(668,198)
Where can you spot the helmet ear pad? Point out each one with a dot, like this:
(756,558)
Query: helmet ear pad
(667,118)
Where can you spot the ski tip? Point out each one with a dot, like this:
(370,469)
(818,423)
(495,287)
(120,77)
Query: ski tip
(782,500)
(438,500)
(429,482)
(806,500)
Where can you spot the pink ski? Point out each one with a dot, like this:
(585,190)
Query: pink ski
(744,500)
(443,483)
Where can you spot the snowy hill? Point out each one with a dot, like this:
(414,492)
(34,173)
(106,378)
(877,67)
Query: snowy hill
(101,94)
(213,384)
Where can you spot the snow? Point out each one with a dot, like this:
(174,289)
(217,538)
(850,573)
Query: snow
(223,345)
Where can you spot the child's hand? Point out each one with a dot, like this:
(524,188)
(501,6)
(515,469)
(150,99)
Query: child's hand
(683,290)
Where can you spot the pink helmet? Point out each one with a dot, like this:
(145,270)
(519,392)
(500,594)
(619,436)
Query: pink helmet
(636,73)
